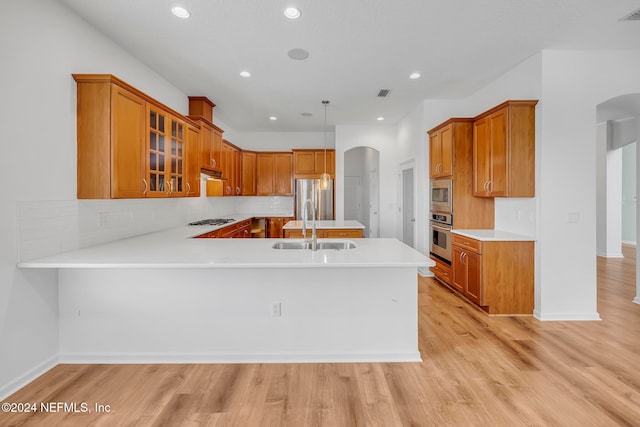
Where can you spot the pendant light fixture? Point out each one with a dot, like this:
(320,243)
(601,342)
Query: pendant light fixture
(325,179)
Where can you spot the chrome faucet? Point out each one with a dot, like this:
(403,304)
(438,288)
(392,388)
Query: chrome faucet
(314,236)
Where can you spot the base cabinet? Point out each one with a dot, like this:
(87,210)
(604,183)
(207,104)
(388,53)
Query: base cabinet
(240,230)
(496,275)
(442,271)
(330,233)
(274,226)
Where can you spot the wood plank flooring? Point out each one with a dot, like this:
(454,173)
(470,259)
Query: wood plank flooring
(477,371)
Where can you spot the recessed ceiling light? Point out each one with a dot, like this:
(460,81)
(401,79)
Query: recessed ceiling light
(380,119)
(180,12)
(272,118)
(298,54)
(414,76)
(245,74)
(292,13)
(306,114)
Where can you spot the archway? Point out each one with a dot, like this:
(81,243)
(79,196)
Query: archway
(618,127)
(361,188)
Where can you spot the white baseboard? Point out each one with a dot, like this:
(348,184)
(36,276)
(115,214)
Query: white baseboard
(157,358)
(636,300)
(566,317)
(608,255)
(629,242)
(8,389)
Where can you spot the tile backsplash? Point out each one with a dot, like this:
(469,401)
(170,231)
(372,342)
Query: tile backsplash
(265,205)
(49,227)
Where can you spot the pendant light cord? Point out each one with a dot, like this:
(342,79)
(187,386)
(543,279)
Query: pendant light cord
(325,102)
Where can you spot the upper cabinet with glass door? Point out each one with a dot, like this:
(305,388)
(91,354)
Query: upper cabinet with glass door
(129,145)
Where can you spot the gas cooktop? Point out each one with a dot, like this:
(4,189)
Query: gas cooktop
(212,221)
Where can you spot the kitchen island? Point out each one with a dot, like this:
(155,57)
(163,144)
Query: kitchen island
(325,228)
(166,297)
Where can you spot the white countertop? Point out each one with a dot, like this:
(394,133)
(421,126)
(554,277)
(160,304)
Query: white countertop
(174,248)
(496,235)
(324,224)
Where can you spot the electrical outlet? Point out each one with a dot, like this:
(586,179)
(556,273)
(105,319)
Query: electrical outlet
(276,309)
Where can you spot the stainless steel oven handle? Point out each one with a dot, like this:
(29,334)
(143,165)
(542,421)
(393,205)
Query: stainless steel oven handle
(438,227)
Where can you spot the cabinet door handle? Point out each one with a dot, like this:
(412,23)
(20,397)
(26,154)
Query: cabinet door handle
(237,190)
(146,186)
(170,187)
(188,188)
(461,258)
(489,185)
(213,163)
(228,189)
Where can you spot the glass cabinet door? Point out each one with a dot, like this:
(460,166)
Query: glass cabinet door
(158,184)
(176,157)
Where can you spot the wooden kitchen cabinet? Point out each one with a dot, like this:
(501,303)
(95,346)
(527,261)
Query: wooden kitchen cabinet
(248,173)
(496,275)
(274,226)
(231,168)
(210,146)
(332,233)
(442,271)
(274,175)
(466,273)
(469,212)
(441,151)
(129,145)
(193,162)
(111,129)
(504,151)
(239,230)
(310,163)
(166,167)
(354,233)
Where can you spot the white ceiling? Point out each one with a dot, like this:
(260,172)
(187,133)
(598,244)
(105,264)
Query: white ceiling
(357,47)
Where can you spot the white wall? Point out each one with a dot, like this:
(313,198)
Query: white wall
(573,84)
(603,131)
(381,138)
(629,194)
(412,149)
(279,141)
(614,204)
(41,45)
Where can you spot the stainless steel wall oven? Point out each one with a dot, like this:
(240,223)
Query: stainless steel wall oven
(440,236)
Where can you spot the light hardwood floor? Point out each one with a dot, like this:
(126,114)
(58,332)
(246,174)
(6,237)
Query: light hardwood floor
(477,371)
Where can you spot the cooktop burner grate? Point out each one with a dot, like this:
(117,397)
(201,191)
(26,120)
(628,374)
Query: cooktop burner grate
(212,221)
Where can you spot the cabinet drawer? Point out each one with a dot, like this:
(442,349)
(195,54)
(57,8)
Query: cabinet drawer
(353,233)
(465,242)
(294,234)
(442,271)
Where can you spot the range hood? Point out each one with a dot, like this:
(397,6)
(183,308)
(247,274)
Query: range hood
(215,174)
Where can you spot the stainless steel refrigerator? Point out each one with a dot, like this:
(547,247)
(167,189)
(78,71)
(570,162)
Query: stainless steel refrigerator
(322,199)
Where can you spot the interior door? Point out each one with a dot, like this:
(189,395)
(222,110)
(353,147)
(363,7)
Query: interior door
(408,215)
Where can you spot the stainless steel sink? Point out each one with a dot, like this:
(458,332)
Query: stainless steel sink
(322,244)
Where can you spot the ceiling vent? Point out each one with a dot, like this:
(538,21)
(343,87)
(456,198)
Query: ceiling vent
(383,93)
(633,16)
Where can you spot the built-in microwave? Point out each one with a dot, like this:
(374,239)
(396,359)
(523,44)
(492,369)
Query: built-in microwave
(442,196)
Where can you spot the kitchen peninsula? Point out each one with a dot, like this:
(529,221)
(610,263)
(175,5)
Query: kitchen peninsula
(167,297)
